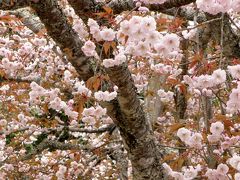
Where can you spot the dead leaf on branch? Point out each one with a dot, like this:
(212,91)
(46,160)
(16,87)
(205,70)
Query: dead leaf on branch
(173,128)
(108,45)
(94,83)
(107,9)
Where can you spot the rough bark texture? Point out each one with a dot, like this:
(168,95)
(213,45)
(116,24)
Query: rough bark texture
(180,97)
(120,156)
(134,128)
(83,8)
(119,6)
(153,106)
(11,5)
(29,19)
(65,37)
(230,39)
(170,4)
(208,114)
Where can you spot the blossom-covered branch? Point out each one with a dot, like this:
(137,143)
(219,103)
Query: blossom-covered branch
(63,34)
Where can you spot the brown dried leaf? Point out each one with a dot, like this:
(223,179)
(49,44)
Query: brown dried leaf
(107,9)
(106,47)
(175,127)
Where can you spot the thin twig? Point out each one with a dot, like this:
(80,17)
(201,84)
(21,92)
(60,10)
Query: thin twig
(221,40)
(199,25)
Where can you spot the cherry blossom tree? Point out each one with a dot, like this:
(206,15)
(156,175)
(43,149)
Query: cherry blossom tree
(115,89)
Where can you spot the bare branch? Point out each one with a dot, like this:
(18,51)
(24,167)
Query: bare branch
(100,130)
(46,143)
(18,79)
(14,131)
(119,6)
(170,4)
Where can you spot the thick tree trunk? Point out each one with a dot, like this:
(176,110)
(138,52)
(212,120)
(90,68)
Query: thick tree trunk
(83,8)
(134,128)
(152,103)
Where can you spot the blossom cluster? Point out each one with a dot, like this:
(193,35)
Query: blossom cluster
(105,95)
(188,173)
(189,34)
(235,162)
(216,129)
(206,81)
(59,105)
(90,115)
(144,39)
(61,172)
(229,141)
(218,6)
(194,140)
(89,48)
(82,89)
(140,81)
(106,34)
(233,104)
(235,71)
(119,59)
(161,68)
(38,95)
(219,173)
(11,67)
(165,96)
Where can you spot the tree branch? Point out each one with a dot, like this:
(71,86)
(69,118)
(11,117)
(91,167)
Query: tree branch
(100,130)
(63,34)
(14,131)
(128,101)
(83,8)
(28,19)
(119,6)
(170,4)
(46,143)
(12,5)
(134,128)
